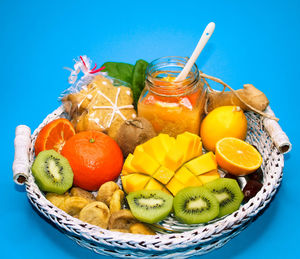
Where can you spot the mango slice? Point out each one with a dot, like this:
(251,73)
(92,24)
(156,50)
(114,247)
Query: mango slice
(174,158)
(174,186)
(168,164)
(166,191)
(202,164)
(155,149)
(153,185)
(197,147)
(186,177)
(144,163)
(163,175)
(186,143)
(208,177)
(138,149)
(127,167)
(134,182)
(166,141)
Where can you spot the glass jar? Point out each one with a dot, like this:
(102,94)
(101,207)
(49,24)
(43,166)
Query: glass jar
(172,107)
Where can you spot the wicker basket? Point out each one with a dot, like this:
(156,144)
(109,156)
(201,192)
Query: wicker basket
(203,239)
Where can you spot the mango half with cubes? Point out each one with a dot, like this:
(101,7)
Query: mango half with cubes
(168,164)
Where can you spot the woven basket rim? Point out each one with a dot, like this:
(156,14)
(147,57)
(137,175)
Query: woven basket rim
(202,233)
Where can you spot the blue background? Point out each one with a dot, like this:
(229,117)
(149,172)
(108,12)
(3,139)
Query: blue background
(254,42)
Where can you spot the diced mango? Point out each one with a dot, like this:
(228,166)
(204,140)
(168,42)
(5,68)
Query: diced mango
(166,141)
(187,178)
(166,190)
(153,185)
(134,182)
(174,186)
(202,164)
(173,141)
(208,177)
(138,148)
(163,175)
(127,167)
(124,181)
(198,149)
(144,163)
(124,172)
(186,141)
(161,163)
(174,157)
(197,145)
(155,149)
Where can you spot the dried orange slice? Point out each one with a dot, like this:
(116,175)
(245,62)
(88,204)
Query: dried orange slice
(237,156)
(54,135)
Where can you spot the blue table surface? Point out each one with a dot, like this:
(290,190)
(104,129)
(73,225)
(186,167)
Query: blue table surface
(254,42)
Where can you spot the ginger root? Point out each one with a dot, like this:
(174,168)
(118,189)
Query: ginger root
(249,98)
(249,94)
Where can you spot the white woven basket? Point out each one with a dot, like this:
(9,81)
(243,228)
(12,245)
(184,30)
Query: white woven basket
(201,240)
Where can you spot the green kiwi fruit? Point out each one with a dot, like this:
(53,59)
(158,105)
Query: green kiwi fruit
(150,206)
(52,172)
(228,193)
(193,205)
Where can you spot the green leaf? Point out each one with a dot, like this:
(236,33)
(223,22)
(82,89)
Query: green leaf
(119,70)
(138,79)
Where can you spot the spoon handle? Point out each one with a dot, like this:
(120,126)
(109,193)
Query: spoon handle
(202,42)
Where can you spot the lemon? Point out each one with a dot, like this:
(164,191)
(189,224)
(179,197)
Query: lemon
(223,121)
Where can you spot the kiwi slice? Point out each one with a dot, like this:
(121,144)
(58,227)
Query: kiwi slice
(228,193)
(193,205)
(150,206)
(52,172)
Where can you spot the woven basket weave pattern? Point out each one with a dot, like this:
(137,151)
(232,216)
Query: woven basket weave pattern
(201,240)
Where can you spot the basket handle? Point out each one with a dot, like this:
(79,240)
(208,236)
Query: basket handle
(278,136)
(21,160)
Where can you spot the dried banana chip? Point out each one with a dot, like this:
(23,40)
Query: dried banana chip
(106,191)
(95,213)
(73,205)
(78,192)
(116,201)
(140,228)
(57,199)
(121,219)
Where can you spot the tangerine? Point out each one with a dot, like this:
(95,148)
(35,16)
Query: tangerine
(54,135)
(223,121)
(95,158)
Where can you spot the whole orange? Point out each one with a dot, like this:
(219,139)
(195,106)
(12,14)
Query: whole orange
(95,158)
(223,121)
